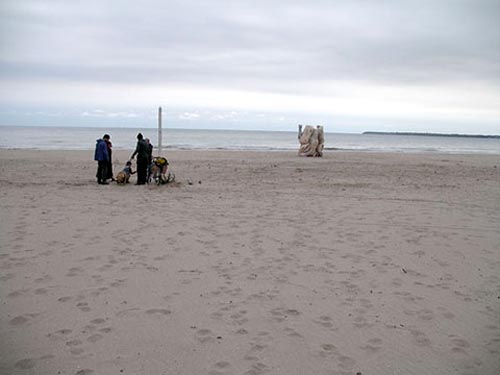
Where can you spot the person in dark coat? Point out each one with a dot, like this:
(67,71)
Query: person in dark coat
(142,152)
(150,159)
(102,157)
(109,169)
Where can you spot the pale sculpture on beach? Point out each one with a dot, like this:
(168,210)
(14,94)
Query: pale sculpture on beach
(312,141)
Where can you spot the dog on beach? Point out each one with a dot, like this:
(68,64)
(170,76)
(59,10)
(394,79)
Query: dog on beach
(123,176)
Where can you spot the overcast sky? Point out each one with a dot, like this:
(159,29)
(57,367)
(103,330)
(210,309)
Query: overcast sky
(349,65)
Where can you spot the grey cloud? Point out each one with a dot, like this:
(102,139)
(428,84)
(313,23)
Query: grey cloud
(255,44)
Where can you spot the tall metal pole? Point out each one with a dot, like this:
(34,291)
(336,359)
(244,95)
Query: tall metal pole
(159,131)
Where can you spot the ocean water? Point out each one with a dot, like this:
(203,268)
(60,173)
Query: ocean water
(72,138)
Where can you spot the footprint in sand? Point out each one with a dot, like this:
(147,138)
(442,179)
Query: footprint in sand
(257,369)
(280,314)
(293,333)
(19,320)
(83,306)
(117,283)
(6,277)
(345,362)
(25,363)
(221,365)
(459,345)
(205,335)
(94,338)
(42,279)
(77,351)
(324,321)
(420,338)
(60,333)
(163,257)
(16,293)
(255,348)
(64,331)
(104,267)
(445,313)
(74,271)
(425,314)
(85,371)
(158,312)
(361,322)
(397,282)
(328,349)
(127,312)
(73,343)
(373,345)
(98,321)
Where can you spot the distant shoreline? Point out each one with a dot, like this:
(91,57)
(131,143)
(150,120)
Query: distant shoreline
(436,134)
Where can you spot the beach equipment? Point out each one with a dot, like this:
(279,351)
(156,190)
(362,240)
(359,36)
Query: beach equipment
(159,171)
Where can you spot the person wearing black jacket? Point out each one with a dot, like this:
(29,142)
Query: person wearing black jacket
(150,159)
(142,152)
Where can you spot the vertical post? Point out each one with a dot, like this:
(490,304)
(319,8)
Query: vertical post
(159,131)
(300,131)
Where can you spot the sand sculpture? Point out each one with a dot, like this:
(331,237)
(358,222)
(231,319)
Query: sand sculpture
(312,141)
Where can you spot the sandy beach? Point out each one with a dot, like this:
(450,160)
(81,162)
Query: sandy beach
(251,263)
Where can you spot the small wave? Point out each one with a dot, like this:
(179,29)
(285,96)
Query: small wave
(39,138)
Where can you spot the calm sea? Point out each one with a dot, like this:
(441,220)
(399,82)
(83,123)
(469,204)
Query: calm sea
(69,138)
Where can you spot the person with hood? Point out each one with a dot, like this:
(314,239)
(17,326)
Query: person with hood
(101,155)
(142,152)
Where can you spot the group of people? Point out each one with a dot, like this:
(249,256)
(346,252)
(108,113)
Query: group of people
(103,153)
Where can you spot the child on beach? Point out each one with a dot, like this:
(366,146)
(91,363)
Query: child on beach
(123,177)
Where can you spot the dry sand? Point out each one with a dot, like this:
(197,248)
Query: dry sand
(263,264)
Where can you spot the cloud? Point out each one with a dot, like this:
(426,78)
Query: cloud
(226,116)
(262,45)
(188,116)
(103,113)
(382,58)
